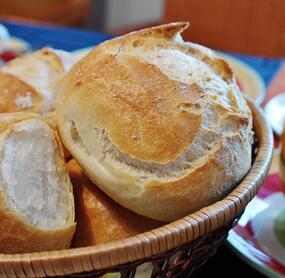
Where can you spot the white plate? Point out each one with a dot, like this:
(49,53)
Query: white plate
(249,79)
(254,239)
(275,113)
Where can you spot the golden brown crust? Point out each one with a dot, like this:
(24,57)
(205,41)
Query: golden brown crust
(46,54)
(30,82)
(186,189)
(100,219)
(50,118)
(12,90)
(51,57)
(7,120)
(162,33)
(16,235)
(157,123)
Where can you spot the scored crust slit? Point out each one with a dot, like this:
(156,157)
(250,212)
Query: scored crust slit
(36,199)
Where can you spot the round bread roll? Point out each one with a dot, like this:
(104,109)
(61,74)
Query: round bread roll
(157,123)
(30,82)
(99,219)
(36,198)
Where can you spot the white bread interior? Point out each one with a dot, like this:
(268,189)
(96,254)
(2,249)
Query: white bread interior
(36,198)
(30,82)
(157,123)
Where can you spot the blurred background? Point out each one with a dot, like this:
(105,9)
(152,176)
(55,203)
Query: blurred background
(252,27)
(249,33)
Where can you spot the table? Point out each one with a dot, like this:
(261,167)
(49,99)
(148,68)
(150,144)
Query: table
(224,262)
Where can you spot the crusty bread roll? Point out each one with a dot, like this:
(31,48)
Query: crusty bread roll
(99,219)
(36,198)
(30,82)
(157,123)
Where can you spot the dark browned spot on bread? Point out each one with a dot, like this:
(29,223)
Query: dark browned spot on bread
(78,83)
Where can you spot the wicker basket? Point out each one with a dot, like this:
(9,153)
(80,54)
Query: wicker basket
(174,250)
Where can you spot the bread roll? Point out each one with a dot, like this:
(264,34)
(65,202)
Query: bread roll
(36,199)
(157,123)
(29,83)
(100,219)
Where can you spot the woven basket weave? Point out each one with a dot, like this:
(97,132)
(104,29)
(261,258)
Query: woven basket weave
(174,250)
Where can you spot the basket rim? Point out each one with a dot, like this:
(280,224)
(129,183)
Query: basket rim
(154,242)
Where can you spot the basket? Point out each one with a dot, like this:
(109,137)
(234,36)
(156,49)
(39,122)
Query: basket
(174,250)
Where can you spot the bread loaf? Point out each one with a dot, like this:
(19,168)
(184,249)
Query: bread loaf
(30,82)
(157,123)
(100,219)
(36,198)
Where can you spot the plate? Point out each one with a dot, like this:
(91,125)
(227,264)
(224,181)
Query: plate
(259,236)
(9,43)
(275,112)
(249,80)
